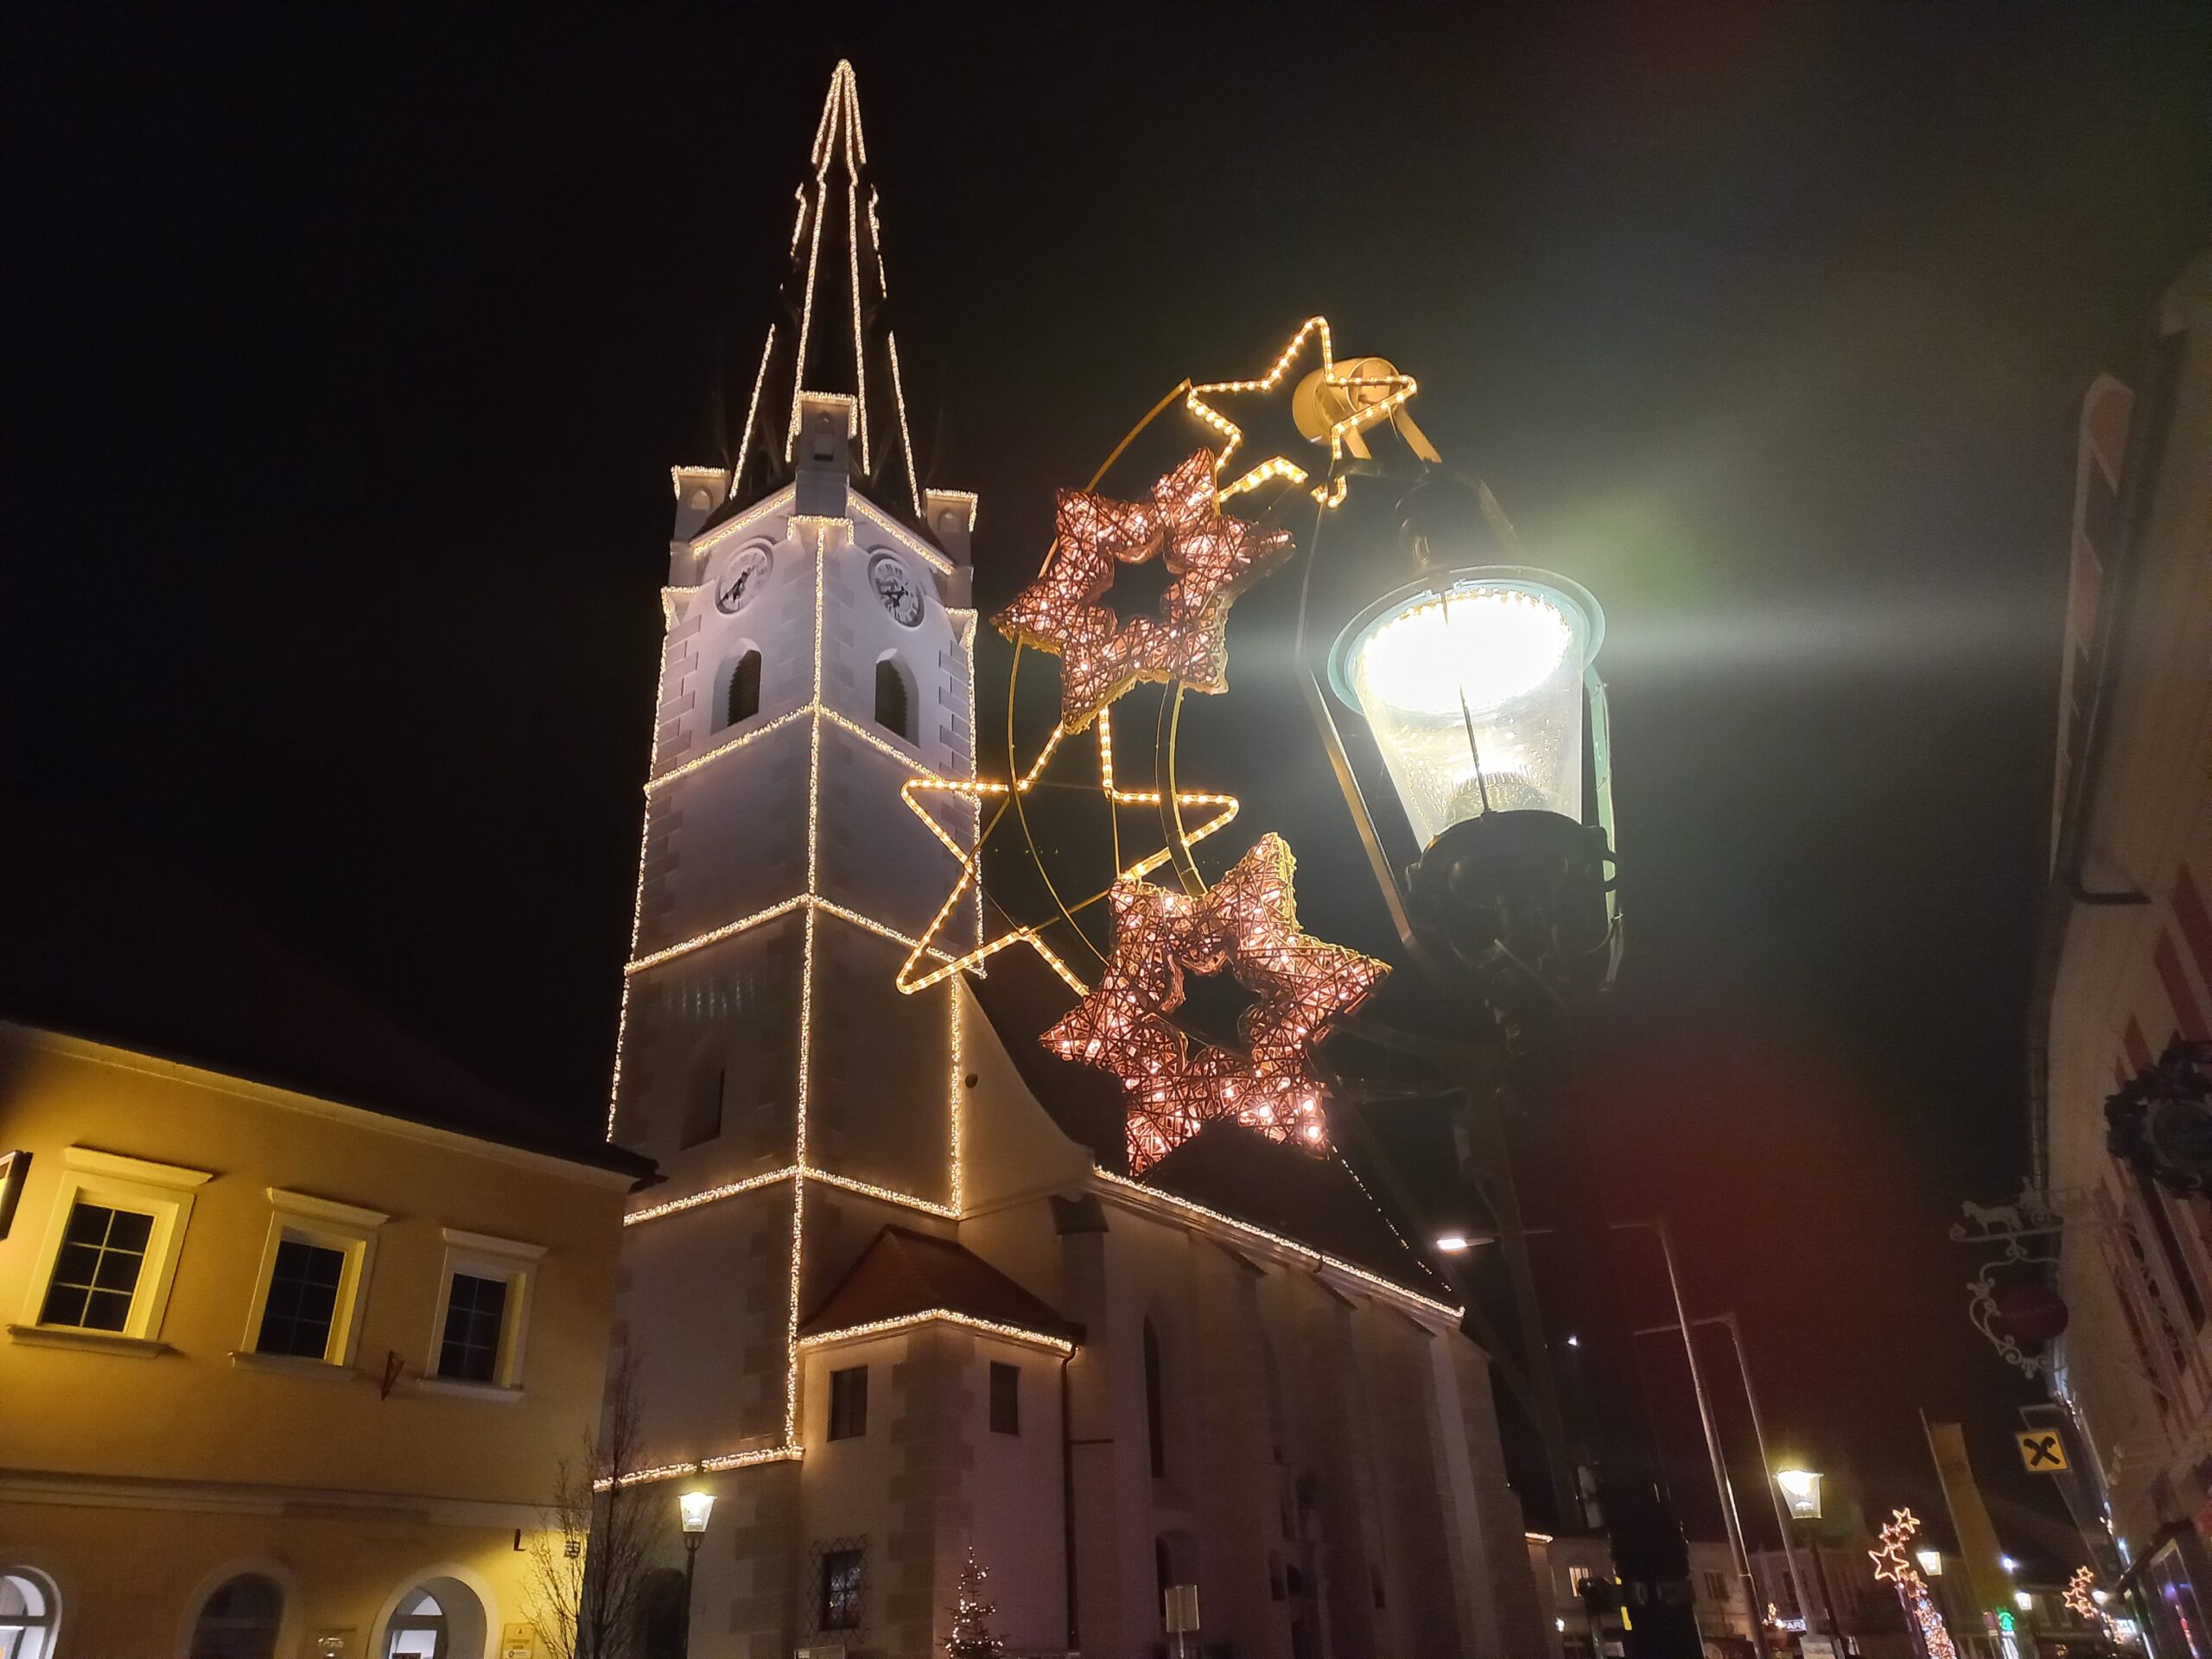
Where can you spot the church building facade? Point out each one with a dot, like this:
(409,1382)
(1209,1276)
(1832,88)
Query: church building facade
(885,1305)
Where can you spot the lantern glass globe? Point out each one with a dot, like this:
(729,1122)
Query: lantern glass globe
(1471,682)
(695,1508)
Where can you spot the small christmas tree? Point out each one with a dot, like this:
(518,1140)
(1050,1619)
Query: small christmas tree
(971,1636)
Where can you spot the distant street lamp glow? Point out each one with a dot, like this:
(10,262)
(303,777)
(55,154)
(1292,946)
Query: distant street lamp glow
(1802,1488)
(2008,1563)
(1471,682)
(1931,1562)
(1452,1243)
(2023,1601)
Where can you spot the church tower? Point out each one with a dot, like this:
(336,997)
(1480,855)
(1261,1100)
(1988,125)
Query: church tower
(818,655)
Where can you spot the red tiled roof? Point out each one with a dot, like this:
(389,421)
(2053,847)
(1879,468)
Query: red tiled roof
(904,1273)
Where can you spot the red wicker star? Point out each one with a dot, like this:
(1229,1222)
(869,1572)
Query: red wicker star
(1212,558)
(1247,925)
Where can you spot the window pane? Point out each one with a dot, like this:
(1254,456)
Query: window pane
(840,1590)
(1005,1399)
(97,1270)
(240,1620)
(302,1300)
(848,1403)
(473,1310)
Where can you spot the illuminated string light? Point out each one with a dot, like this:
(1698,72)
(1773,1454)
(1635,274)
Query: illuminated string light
(971,865)
(942,1316)
(860,351)
(1893,1562)
(1396,390)
(753,404)
(1245,924)
(1211,557)
(703,1466)
(1141,1195)
(905,434)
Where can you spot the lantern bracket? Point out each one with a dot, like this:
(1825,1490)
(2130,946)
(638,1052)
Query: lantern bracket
(2027,1232)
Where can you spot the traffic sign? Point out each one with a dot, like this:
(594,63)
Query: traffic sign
(2042,1451)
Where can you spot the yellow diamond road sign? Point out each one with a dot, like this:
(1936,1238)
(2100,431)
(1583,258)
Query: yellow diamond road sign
(2041,1449)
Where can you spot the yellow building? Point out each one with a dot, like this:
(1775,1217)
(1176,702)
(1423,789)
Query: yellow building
(281,1374)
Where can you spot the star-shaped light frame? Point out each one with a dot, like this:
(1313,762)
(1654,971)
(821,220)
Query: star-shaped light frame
(1247,925)
(916,790)
(1344,433)
(1211,557)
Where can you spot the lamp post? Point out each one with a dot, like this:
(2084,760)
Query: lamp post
(1476,682)
(1802,1487)
(694,1508)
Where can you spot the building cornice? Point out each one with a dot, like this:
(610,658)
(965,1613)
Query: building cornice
(1334,1271)
(146,1492)
(121,1058)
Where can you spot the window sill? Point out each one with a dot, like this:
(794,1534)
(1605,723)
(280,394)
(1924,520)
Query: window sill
(464,1390)
(96,1342)
(296,1365)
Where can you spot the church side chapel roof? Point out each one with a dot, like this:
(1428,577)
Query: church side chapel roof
(905,1273)
(1278,1189)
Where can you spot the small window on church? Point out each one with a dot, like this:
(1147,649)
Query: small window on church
(891,700)
(849,1404)
(1155,1404)
(824,439)
(1005,1399)
(742,701)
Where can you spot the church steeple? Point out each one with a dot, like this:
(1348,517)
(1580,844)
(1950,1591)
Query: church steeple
(831,344)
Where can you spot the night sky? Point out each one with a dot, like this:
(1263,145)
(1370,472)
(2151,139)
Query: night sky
(347,352)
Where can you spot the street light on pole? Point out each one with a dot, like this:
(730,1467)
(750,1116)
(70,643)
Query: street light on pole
(693,1509)
(1802,1488)
(1730,1516)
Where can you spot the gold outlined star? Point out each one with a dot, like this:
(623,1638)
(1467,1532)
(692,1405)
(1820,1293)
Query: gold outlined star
(1343,433)
(971,863)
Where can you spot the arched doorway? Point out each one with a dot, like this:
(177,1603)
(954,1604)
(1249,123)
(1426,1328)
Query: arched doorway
(30,1613)
(240,1619)
(437,1619)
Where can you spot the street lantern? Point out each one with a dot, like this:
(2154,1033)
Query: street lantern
(1471,682)
(693,1509)
(1931,1562)
(1477,685)
(1802,1488)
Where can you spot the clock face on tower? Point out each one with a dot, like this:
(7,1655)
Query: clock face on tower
(895,586)
(742,579)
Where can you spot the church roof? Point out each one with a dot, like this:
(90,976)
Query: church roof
(831,333)
(1315,1201)
(905,1273)
(105,939)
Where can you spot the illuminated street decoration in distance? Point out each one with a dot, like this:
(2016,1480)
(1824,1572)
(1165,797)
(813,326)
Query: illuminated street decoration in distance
(1893,1561)
(1246,924)
(1212,558)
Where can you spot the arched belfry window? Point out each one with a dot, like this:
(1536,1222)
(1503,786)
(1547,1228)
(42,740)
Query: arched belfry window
(1155,1415)
(824,442)
(893,710)
(741,701)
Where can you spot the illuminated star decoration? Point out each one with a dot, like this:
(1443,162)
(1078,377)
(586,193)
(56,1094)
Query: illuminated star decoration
(1370,398)
(1247,925)
(912,792)
(2081,1598)
(1212,558)
(1893,1562)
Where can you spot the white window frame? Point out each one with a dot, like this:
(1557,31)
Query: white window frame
(347,1227)
(483,1256)
(165,1191)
